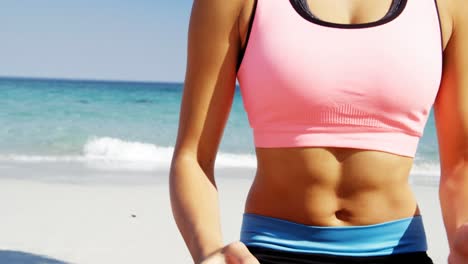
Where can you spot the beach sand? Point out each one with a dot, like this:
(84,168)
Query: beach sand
(64,213)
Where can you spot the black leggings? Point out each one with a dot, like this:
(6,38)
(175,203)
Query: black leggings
(269,256)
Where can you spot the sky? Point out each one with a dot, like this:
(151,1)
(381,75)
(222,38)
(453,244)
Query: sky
(138,40)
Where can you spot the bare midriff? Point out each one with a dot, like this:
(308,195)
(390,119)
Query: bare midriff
(331,186)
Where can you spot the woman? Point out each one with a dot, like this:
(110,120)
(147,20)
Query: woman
(337,93)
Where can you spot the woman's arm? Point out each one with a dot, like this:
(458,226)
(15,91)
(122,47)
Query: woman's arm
(451,115)
(213,47)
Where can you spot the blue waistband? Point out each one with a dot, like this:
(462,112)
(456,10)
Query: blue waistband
(401,236)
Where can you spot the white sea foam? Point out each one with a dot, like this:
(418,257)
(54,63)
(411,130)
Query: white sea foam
(425,173)
(114,154)
(114,149)
(426,168)
(41,158)
(106,153)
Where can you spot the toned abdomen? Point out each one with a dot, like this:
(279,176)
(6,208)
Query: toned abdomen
(331,186)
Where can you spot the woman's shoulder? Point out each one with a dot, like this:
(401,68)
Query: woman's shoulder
(453,8)
(220,8)
(221,20)
(448,11)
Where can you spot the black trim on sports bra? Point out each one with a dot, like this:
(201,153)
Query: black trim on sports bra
(302,8)
(242,51)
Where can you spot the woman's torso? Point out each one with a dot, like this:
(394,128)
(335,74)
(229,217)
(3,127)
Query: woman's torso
(334,186)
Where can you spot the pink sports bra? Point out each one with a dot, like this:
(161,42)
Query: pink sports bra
(307,82)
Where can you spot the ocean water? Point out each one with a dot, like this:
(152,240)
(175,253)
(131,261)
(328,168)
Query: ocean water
(126,125)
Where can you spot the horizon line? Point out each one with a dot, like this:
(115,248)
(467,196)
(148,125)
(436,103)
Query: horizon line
(39,78)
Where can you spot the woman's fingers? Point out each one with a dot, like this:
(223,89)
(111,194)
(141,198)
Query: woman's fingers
(234,253)
(238,253)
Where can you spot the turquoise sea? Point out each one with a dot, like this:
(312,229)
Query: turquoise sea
(125,125)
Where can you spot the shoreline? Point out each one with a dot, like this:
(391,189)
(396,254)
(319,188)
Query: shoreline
(110,217)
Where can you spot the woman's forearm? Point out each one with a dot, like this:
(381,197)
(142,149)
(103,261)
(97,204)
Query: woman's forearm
(453,194)
(194,200)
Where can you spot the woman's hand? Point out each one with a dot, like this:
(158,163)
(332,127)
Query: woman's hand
(234,253)
(459,249)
